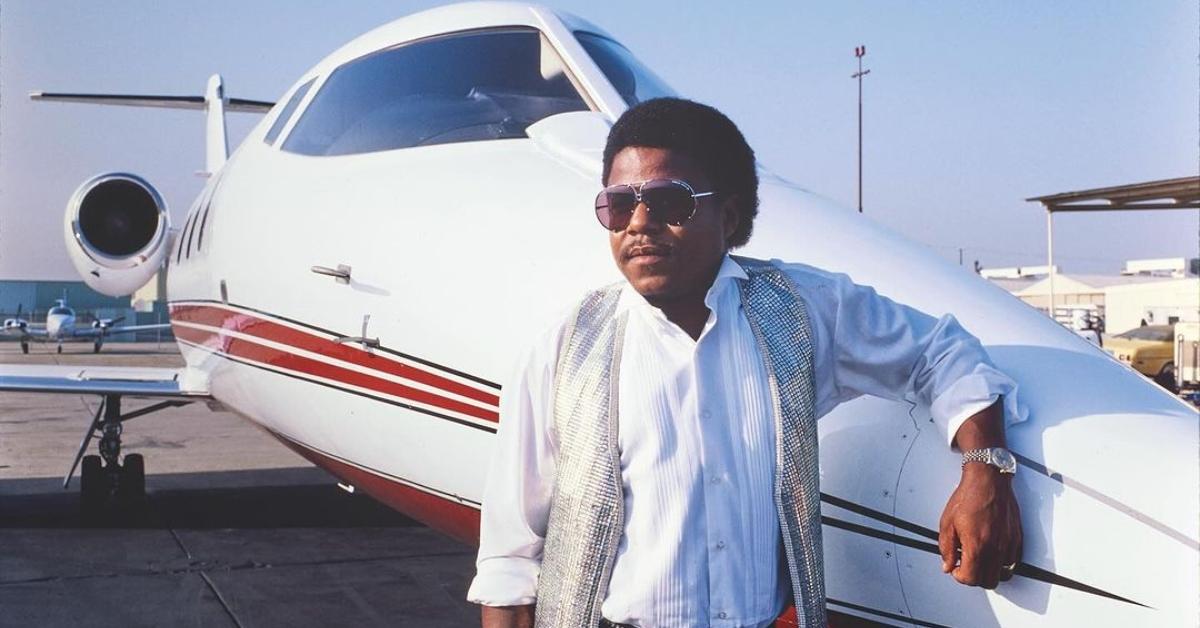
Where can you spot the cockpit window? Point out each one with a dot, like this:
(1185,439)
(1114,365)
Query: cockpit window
(60,310)
(286,113)
(464,87)
(632,80)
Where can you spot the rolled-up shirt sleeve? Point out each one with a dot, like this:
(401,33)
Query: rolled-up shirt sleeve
(875,346)
(516,497)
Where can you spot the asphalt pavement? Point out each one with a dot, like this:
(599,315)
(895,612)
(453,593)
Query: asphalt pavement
(235,529)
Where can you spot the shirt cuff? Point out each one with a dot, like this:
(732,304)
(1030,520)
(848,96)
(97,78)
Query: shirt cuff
(505,581)
(972,393)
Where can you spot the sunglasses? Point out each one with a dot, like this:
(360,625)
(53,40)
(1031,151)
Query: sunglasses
(668,200)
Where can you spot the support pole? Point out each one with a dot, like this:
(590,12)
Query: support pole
(1050,257)
(860,52)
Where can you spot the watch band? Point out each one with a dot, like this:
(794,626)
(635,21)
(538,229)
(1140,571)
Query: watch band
(986,456)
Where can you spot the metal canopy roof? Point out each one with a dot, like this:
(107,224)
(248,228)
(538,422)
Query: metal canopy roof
(1181,193)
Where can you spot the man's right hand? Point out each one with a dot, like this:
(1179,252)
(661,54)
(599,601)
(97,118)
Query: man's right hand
(507,616)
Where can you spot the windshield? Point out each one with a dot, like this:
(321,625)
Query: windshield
(60,310)
(463,87)
(632,80)
(1158,333)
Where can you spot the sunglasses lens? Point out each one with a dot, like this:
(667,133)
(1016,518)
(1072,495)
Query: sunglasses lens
(668,201)
(614,207)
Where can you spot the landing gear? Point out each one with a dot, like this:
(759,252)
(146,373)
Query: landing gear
(24,346)
(105,478)
(93,485)
(60,346)
(96,346)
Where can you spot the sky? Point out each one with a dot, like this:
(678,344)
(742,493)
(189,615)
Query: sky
(970,107)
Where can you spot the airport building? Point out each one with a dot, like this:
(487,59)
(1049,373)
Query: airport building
(1159,291)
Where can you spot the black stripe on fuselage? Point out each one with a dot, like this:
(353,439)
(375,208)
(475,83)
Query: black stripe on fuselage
(1023,569)
(1124,509)
(422,361)
(896,616)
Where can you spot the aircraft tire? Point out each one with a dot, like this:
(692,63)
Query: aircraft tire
(96,348)
(133,477)
(93,486)
(60,348)
(25,347)
(1166,377)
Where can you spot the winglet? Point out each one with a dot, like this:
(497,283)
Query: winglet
(216,145)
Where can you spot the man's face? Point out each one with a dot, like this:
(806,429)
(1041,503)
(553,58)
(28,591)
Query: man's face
(666,263)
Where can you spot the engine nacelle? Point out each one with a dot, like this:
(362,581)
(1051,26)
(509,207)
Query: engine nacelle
(117,232)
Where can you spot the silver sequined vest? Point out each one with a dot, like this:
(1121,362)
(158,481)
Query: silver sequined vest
(587,513)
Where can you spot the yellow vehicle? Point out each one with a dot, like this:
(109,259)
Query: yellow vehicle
(1149,349)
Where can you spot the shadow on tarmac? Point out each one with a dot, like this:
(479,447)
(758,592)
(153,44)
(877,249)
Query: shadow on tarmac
(281,547)
(273,498)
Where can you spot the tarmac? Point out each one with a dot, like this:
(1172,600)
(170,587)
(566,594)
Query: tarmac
(236,530)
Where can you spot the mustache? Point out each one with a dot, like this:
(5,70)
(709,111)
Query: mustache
(645,246)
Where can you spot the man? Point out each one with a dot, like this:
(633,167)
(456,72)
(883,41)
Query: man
(656,463)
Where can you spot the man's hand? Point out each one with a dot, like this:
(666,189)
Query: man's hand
(507,616)
(980,531)
(983,521)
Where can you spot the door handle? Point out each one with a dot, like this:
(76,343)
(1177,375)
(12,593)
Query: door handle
(341,273)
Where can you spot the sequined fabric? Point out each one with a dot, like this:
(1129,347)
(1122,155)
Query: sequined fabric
(587,512)
(780,324)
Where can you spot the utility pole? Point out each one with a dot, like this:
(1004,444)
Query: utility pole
(860,52)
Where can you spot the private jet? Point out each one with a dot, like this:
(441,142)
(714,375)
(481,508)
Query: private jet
(360,273)
(60,327)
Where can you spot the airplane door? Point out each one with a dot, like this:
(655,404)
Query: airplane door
(862,574)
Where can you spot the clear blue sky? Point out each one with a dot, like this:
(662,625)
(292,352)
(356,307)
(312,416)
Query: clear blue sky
(970,106)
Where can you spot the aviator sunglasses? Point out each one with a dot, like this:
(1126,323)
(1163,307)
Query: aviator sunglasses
(668,200)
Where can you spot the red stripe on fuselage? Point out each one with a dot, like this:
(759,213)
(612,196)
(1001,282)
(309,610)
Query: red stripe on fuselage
(450,517)
(259,327)
(271,356)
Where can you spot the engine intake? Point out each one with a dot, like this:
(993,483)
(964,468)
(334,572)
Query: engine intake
(116,228)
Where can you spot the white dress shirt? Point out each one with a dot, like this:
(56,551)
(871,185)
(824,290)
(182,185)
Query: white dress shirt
(701,543)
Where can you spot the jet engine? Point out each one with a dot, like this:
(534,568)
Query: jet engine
(117,232)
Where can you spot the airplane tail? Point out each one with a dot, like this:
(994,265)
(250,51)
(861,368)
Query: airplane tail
(213,102)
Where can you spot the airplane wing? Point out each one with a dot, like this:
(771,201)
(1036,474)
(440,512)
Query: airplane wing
(89,332)
(101,380)
(28,332)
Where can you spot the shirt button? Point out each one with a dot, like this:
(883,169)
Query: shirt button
(716,479)
(721,545)
(705,414)
(722,614)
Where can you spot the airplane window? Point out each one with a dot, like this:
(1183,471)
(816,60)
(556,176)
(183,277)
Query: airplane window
(287,112)
(59,310)
(632,80)
(464,87)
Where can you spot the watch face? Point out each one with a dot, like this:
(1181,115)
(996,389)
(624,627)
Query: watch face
(1004,459)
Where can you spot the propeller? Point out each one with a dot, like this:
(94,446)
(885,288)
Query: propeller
(18,322)
(105,323)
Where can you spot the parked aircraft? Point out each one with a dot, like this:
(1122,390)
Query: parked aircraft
(60,326)
(360,273)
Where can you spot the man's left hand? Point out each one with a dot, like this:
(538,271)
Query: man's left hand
(983,522)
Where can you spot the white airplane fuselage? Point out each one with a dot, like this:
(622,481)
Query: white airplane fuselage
(458,254)
(59,326)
